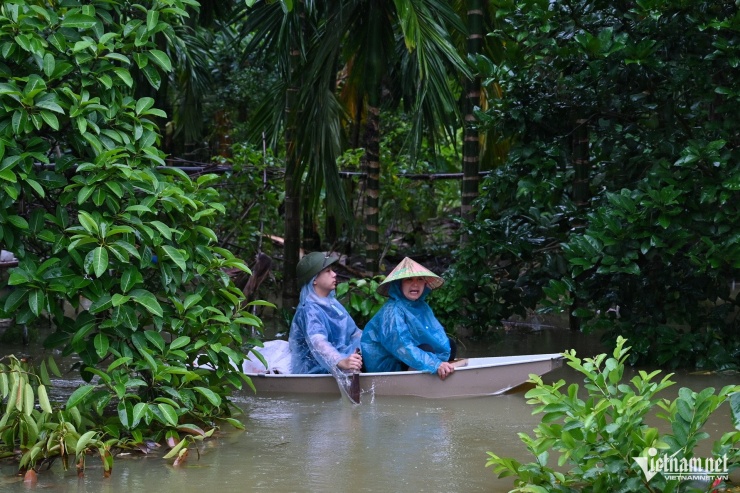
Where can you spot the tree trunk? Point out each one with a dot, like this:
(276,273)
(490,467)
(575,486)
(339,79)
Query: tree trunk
(471,145)
(292,184)
(372,152)
(581,196)
(372,192)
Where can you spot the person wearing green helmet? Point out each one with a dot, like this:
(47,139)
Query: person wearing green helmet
(323,337)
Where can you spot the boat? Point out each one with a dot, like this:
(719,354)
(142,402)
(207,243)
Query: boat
(473,377)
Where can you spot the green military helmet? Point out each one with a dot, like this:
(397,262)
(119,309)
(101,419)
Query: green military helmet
(312,264)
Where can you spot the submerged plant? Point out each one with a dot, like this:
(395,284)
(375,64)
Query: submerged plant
(603,437)
(36,432)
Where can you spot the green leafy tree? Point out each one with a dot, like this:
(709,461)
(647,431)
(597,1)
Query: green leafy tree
(91,213)
(622,120)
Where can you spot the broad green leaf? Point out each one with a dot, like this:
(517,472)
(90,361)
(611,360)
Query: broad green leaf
(156,339)
(36,187)
(169,414)
(79,395)
(36,301)
(84,194)
(179,342)
(124,75)
(144,104)
(147,300)
(101,303)
(118,362)
(87,222)
(125,414)
(97,261)
(82,442)
(140,410)
(28,399)
(161,59)
(130,277)
(44,399)
(50,119)
(163,229)
(212,397)
(175,256)
(101,344)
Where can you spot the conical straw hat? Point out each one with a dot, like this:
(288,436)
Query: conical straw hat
(408,268)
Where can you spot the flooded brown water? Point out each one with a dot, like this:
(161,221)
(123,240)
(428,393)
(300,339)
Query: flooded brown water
(324,444)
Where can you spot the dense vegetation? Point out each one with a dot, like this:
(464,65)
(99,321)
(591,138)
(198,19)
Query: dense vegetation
(91,212)
(617,205)
(601,431)
(607,131)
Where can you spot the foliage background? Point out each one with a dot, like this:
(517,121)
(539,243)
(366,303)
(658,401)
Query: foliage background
(638,236)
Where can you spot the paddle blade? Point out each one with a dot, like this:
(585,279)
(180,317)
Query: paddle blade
(354,388)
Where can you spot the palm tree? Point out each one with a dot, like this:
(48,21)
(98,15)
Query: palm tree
(480,151)
(378,44)
(471,143)
(278,32)
(401,48)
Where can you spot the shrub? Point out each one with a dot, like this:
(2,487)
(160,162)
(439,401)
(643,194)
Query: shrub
(90,211)
(599,435)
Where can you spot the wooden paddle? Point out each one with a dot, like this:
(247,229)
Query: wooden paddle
(354,386)
(349,384)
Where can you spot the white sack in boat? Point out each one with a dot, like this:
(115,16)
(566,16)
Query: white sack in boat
(277,354)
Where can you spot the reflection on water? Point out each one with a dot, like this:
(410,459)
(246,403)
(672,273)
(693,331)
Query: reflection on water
(323,443)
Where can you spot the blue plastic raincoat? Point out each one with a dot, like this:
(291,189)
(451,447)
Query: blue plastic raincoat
(322,333)
(395,333)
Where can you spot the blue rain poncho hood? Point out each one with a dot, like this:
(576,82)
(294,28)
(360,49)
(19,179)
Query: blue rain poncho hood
(395,333)
(322,333)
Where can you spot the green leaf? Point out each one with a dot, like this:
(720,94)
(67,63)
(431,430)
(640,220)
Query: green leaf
(169,414)
(147,300)
(175,256)
(124,75)
(82,442)
(79,21)
(124,413)
(97,261)
(15,299)
(176,449)
(130,277)
(36,187)
(87,222)
(179,342)
(79,395)
(49,64)
(44,399)
(212,397)
(50,119)
(161,59)
(118,362)
(101,344)
(156,339)
(163,229)
(144,104)
(28,399)
(36,301)
(140,410)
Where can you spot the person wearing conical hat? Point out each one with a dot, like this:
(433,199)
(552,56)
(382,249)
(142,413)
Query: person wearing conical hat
(323,337)
(405,333)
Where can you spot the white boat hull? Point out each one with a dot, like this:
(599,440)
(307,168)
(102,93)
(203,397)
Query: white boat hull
(480,377)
